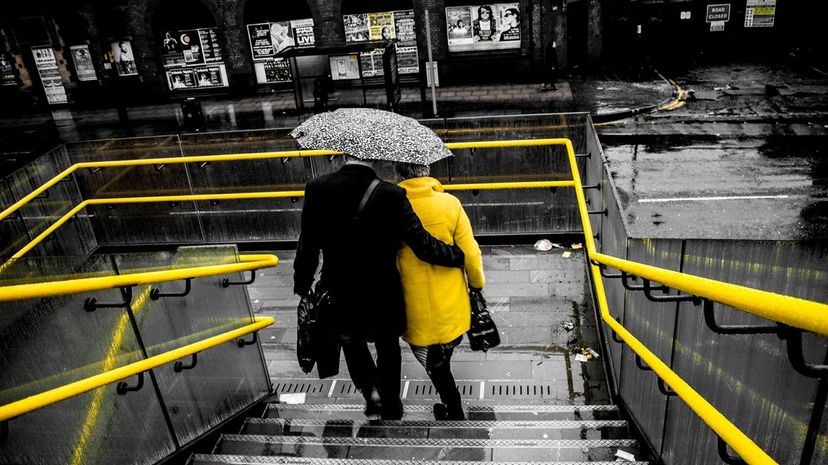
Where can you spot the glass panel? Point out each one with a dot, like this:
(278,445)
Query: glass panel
(652,323)
(521,211)
(747,377)
(146,223)
(226,378)
(98,427)
(252,220)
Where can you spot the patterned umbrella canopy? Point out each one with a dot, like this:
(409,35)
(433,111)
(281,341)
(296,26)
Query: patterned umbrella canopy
(372,134)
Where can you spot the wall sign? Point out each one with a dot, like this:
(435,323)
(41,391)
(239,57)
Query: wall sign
(344,67)
(718,12)
(49,75)
(82,59)
(386,25)
(7,77)
(194,59)
(268,40)
(483,27)
(760,13)
(124,58)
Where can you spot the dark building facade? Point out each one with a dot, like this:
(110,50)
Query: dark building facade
(105,52)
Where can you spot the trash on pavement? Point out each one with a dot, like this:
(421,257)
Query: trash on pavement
(581,358)
(567,325)
(545,245)
(577,246)
(625,455)
(566,254)
(592,352)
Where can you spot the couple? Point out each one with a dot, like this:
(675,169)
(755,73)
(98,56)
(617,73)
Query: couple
(381,288)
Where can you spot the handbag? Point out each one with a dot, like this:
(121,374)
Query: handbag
(314,342)
(483,334)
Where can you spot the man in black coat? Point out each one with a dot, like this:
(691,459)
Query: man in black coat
(359,268)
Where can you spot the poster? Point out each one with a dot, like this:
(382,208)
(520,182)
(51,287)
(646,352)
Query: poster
(49,75)
(197,78)
(124,59)
(303,32)
(273,71)
(371,63)
(494,26)
(260,44)
(211,45)
(7,77)
(408,61)
(192,47)
(381,26)
(356,27)
(344,67)
(82,59)
(760,13)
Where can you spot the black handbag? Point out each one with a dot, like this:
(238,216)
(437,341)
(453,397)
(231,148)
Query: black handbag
(483,334)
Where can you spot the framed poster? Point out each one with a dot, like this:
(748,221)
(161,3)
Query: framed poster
(83,63)
(273,71)
(356,27)
(381,26)
(303,32)
(472,28)
(760,13)
(124,59)
(344,67)
(387,25)
(268,40)
(198,77)
(49,75)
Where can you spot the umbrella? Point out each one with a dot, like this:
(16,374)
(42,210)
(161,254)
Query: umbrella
(372,134)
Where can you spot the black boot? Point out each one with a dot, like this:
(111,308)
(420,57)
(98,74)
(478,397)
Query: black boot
(373,404)
(440,412)
(454,412)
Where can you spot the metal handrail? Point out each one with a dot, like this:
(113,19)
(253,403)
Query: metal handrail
(803,314)
(75,286)
(52,396)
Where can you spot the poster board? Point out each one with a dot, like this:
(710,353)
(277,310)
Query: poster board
(760,13)
(82,59)
(477,28)
(387,25)
(49,75)
(7,77)
(123,58)
(269,40)
(344,67)
(194,59)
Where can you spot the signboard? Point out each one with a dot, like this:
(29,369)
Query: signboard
(198,77)
(387,25)
(483,27)
(191,47)
(344,67)
(7,77)
(268,40)
(760,13)
(717,26)
(49,75)
(718,12)
(82,59)
(273,71)
(124,58)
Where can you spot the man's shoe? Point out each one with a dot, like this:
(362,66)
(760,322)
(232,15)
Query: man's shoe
(440,412)
(373,404)
(393,412)
(455,413)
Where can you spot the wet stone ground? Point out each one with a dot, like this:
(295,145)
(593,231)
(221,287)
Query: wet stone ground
(539,302)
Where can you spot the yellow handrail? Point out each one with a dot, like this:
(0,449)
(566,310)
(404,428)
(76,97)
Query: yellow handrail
(43,399)
(74,286)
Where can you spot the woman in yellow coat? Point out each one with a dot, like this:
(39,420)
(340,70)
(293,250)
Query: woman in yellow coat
(436,298)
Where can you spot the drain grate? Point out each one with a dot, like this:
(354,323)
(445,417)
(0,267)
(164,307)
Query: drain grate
(313,388)
(520,390)
(345,388)
(426,390)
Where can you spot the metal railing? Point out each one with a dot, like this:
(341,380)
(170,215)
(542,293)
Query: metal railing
(793,315)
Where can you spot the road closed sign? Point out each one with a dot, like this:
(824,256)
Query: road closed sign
(718,12)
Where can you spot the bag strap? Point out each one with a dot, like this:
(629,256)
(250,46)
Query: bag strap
(371,187)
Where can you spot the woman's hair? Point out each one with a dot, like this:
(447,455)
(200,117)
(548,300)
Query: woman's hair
(488,10)
(412,170)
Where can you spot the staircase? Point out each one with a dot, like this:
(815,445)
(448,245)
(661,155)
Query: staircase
(334,433)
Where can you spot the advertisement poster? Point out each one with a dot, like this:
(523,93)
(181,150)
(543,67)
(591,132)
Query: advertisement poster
(760,13)
(381,26)
(371,63)
(273,71)
(191,47)
(408,62)
(260,43)
(211,45)
(83,63)
(303,32)
(124,59)
(49,75)
(344,67)
(356,27)
(7,77)
(473,28)
(197,78)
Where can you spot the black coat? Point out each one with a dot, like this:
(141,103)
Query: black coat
(359,257)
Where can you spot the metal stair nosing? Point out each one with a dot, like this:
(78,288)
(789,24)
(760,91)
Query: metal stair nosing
(205,459)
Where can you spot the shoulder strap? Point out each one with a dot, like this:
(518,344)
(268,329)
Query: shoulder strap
(374,183)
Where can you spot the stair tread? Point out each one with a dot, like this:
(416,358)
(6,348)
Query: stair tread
(255,459)
(503,424)
(432,442)
(496,408)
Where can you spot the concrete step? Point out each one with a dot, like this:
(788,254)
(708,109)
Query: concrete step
(474,411)
(204,459)
(532,450)
(481,429)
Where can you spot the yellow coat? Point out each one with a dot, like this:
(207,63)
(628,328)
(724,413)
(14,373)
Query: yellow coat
(436,298)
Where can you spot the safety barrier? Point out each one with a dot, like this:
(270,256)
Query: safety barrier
(793,315)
